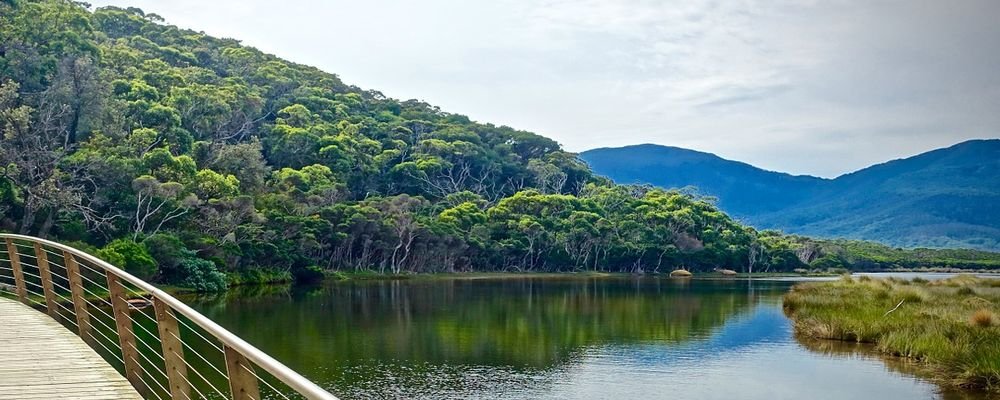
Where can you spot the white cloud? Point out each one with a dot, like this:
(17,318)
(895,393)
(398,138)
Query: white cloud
(821,87)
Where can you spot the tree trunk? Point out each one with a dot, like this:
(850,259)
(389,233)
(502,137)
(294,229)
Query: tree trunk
(27,219)
(43,231)
(73,126)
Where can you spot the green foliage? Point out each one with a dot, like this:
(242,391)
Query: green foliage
(133,257)
(257,276)
(181,267)
(168,250)
(859,255)
(220,159)
(201,275)
(209,184)
(827,262)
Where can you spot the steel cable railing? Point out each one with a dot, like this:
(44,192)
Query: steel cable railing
(164,348)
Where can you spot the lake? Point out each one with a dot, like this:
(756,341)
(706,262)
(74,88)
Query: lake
(556,338)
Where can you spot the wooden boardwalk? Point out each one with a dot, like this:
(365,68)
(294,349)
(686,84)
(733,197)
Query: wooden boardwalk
(41,359)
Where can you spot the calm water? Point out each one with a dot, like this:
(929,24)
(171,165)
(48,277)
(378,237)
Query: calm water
(566,338)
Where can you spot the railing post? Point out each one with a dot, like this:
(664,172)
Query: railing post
(126,337)
(43,271)
(15,265)
(76,293)
(173,350)
(242,383)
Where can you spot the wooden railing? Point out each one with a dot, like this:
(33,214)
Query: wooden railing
(164,348)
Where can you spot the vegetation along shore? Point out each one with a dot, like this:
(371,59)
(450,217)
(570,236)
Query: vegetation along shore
(951,327)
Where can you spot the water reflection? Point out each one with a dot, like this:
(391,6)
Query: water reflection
(551,338)
(524,322)
(836,349)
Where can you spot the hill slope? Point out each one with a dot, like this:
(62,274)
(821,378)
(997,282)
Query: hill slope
(179,156)
(943,198)
(740,188)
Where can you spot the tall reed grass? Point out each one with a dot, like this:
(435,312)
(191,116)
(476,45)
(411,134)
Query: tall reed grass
(951,325)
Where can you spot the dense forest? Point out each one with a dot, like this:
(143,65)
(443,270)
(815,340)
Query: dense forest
(199,162)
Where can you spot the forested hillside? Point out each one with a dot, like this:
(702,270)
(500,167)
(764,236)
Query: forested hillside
(943,198)
(186,158)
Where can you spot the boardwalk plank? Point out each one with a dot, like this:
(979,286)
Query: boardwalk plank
(41,359)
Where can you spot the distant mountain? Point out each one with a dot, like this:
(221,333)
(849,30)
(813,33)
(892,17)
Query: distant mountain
(943,198)
(741,188)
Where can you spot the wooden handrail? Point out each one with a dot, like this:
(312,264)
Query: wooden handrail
(241,357)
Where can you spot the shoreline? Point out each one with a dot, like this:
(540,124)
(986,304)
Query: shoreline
(371,275)
(364,275)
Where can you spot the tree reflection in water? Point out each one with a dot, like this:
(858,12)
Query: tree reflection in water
(542,338)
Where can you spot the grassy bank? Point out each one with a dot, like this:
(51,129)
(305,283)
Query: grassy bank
(951,326)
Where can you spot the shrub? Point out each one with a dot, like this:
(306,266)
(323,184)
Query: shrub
(828,262)
(182,267)
(132,256)
(919,280)
(257,276)
(169,252)
(201,275)
(309,274)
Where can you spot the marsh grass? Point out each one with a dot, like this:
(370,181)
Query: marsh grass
(965,291)
(984,318)
(950,326)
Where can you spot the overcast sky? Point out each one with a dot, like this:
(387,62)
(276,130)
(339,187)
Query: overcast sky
(806,87)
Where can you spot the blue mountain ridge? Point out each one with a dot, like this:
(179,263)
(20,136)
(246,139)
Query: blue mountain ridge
(948,197)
